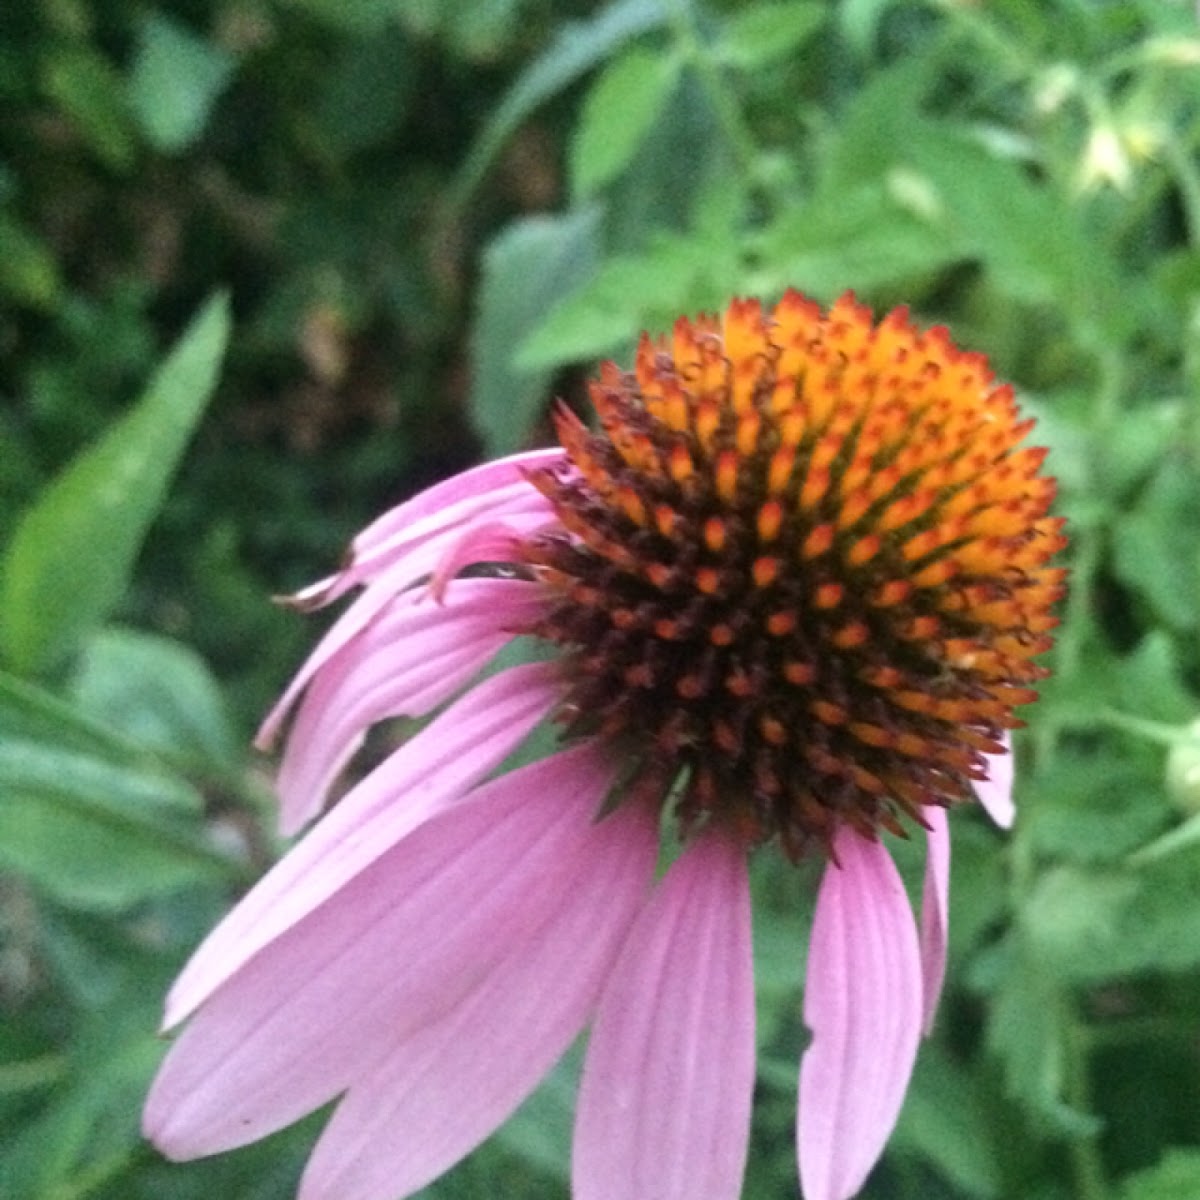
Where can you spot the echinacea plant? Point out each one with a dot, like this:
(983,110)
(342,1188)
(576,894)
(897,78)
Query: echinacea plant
(788,595)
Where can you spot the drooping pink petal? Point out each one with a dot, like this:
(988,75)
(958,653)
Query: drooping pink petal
(412,658)
(430,771)
(396,584)
(491,489)
(437,1093)
(408,939)
(664,1104)
(862,1001)
(996,791)
(935,914)
(487,541)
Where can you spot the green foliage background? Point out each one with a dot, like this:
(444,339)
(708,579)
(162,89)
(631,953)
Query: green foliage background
(267,266)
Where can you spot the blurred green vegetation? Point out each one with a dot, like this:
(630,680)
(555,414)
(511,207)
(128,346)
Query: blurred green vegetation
(267,266)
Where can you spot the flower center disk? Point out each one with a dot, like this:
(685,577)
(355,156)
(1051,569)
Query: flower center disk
(799,575)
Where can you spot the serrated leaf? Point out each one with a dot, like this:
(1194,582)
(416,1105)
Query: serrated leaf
(617,114)
(529,268)
(765,33)
(70,557)
(578,47)
(1027,1031)
(1090,926)
(176,79)
(158,692)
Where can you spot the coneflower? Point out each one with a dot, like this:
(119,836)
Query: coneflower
(789,594)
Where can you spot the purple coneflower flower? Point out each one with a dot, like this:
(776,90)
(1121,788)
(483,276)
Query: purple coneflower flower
(792,590)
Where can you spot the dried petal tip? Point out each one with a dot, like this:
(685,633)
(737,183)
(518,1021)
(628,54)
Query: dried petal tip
(803,564)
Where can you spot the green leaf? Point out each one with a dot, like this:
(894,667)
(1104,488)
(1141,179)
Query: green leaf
(763,34)
(578,47)
(1176,1176)
(529,268)
(627,295)
(31,713)
(157,691)
(28,270)
(176,79)
(617,114)
(69,561)
(1157,550)
(98,836)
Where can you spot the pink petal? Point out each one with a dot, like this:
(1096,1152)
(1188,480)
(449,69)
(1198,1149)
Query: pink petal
(935,913)
(487,541)
(664,1105)
(396,584)
(408,939)
(433,769)
(412,658)
(492,489)
(996,791)
(862,1001)
(438,1093)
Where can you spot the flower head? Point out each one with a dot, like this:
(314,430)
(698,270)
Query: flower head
(794,586)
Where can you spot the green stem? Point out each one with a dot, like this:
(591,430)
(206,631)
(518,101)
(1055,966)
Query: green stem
(1157,732)
(1091,1183)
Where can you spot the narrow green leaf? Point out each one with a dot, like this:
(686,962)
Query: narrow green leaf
(176,79)
(617,114)
(70,558)
(579,46)
(527,270)
(96,836)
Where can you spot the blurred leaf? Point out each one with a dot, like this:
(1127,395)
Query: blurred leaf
(617,113)
(1157,550)
(1095,925)
(1095,802)
(87,87)
(526,271)
(28,270)
(176,79)
(30,713)
(157,691)
(366,96)
(354,16)
(946,1122)
(540,1130)
(578,47)
(98,836)
(89,1128)
(70,558)
(763,33)
(1175,1177)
